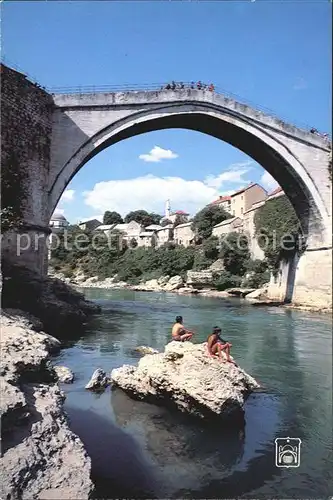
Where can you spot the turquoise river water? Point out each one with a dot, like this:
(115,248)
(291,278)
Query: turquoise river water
(139,450)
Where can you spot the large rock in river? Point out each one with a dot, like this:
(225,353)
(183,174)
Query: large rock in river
(186,377)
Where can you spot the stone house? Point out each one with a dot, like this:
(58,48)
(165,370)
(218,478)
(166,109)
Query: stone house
(243,199)
(183,234)
(178,215)
(153,227)
(164,235)
(228,226)
(90,224)
(276,193)
(249,226)
(249,229)
(147,239)
(106,228)
(224,202)
(127,232)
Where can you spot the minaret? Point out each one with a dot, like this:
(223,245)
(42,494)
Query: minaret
(167,209)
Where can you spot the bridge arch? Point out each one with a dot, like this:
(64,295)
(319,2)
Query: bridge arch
(260,142)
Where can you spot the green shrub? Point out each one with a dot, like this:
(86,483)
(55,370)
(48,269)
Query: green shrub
(256,280)
(274,221)
(207,218)
(234,252)
(226,280)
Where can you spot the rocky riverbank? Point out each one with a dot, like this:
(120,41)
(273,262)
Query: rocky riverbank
(175,284)
(41,457)
(60,308)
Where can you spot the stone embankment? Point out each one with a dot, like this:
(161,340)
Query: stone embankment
(41,457)
(184,376)
(174,284)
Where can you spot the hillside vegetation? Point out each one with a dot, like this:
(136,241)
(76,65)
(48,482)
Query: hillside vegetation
(133,265)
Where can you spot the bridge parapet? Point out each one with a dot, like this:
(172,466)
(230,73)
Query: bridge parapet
(143,98)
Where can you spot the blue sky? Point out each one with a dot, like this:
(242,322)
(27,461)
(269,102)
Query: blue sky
(276,54)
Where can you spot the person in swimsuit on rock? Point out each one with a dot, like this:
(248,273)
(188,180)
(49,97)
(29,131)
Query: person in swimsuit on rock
(216,344)
(179,332)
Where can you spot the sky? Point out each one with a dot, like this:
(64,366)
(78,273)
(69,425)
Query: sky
(276,54)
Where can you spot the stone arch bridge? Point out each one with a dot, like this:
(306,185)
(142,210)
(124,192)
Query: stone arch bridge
(47,138)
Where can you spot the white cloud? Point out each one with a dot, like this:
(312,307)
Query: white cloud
(59,211)
(300,84)
(157,154)
(150,192)
(268,182)
(67,195)
(234,174)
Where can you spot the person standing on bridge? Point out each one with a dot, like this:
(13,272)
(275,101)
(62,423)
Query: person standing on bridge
(173,85)
(211,87)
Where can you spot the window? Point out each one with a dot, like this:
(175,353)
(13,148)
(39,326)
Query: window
(241,210)
(233,212)
(241,197)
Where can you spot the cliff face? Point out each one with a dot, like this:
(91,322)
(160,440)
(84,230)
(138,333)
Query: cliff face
(40,457)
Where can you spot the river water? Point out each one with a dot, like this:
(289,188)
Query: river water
(139,450)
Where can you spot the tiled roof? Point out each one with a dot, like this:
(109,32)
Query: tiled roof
(168,226)
(239,191)
(220,199)
(105,227)
(84,221)
(184,225)
(146,234)
(179,212)
(276,191)
(153,227)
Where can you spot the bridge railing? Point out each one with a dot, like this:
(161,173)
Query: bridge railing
(144,87)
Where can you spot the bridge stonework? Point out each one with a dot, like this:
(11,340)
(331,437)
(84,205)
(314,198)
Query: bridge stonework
(78,126)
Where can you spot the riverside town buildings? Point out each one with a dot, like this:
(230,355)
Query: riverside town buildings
(241,204)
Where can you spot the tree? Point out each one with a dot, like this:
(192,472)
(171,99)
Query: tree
(210,248)
(207,218)
(180,219)
(143,218)
(112,218)
(133,243)
(165,222)
(155,218)
(234,251)
(278,230)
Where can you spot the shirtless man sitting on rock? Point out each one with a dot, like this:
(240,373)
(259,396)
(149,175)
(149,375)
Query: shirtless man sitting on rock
(180,333)
(215,345)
